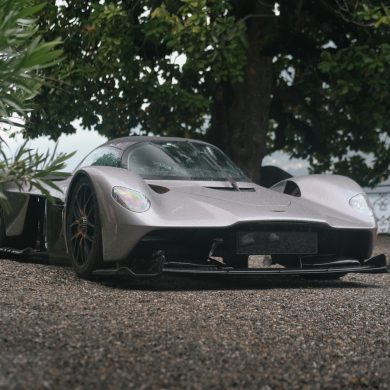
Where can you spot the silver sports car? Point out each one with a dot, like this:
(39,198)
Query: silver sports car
(145,205)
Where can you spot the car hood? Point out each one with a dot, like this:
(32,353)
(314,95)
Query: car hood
(205,204)
(249,196)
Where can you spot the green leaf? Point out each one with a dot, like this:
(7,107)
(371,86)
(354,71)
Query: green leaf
(30,11)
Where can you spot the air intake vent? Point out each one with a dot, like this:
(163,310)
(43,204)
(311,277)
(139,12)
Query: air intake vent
(292,188)
(159,189)
(243,189)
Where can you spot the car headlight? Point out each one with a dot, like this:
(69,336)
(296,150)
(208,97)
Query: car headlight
(131,199)
(361,205)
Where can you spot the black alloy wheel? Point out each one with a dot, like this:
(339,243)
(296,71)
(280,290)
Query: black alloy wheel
(84,228)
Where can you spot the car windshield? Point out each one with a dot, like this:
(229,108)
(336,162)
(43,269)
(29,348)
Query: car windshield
(182,160)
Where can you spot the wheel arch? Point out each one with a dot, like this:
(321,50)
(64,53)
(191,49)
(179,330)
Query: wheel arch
(103,179)
(333,191)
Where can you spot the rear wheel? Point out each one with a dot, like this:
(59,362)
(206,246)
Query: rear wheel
(84,229)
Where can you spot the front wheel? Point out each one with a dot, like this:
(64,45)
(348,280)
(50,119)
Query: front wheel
(84,229)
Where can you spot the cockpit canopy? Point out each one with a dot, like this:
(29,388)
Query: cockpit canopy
(182,160)
(168,160)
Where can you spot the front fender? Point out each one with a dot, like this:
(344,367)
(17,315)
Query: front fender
(331,191)
(111,214)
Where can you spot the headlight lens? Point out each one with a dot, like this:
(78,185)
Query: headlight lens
(360,204)
(131,199)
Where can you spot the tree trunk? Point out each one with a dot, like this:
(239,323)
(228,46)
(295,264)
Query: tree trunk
(240,112)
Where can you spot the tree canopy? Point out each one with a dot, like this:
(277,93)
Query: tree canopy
(308,77)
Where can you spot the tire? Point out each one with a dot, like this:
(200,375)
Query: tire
(236,261)
(83,228)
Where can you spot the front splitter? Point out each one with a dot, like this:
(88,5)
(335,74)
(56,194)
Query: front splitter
(376,264)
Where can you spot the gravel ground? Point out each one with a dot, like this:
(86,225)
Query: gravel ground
(60,332)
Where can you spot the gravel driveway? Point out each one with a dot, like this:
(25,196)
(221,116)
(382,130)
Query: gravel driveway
(59,332)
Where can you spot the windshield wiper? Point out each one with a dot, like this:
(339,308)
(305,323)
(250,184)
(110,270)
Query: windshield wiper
(232,181)
(217,166)
(227,176)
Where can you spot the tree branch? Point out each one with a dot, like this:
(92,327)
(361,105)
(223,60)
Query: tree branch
(257,16)
(267,5)
(344,10)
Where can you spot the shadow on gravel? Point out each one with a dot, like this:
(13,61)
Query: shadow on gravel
(194,283)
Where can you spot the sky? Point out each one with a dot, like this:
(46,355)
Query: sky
(83,141)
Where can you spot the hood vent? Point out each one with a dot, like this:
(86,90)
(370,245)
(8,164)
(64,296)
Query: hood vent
(243,189)
(159,189)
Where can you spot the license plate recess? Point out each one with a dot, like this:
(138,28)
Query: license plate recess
(277,242)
